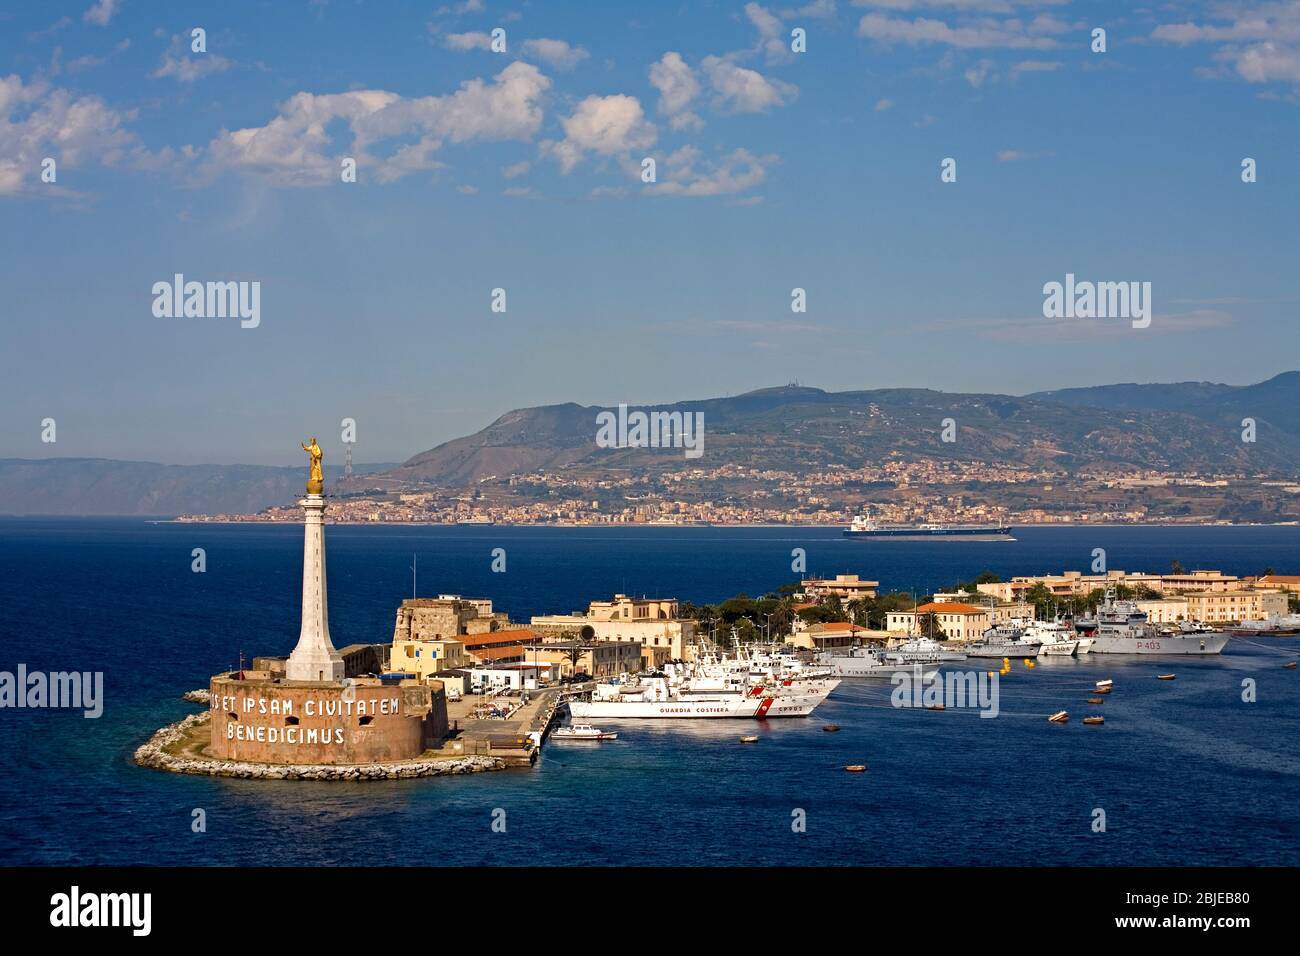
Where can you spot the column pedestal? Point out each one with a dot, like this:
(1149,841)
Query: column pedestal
(314,659)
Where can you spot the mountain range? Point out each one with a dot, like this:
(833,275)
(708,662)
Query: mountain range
(1188,426)
(1185,426)
(102,486)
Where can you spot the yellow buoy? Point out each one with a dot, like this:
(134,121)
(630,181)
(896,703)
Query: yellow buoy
(1030,664)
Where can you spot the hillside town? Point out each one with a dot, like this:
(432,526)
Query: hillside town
(898,492)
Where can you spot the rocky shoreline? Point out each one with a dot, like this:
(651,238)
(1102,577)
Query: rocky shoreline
(153,755)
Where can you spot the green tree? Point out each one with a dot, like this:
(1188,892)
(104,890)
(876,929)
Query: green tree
(1042,598)
(928,625)
(859,611)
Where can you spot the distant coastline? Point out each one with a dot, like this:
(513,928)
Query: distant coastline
(720,524)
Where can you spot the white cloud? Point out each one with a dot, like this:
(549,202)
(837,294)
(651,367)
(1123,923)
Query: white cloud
(771,35)
(1018,155)
(673,78)
(467,41)
(605,125)
(817,9)
(38,120)
(962,6)
(516,170)
(1259,42)
(177,62)
(556,53)
(977,74)
(742,90)
(101,12)
(1034,66)
(295,147)
(469,6)
(984,33)
(685,173)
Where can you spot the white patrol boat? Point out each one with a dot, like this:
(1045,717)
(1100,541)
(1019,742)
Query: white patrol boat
(675,693)
(582,732)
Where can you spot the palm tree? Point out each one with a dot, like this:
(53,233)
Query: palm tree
(858,609)
(574,651)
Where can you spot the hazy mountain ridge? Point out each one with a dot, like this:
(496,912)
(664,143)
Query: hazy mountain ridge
(102,486)
(1178,427)
(1187,426)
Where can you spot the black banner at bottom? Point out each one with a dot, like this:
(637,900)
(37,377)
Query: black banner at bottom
(347,905)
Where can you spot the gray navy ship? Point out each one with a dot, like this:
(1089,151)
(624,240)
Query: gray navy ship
(1121,627)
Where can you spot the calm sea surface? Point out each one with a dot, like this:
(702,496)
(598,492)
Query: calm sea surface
(1186,772)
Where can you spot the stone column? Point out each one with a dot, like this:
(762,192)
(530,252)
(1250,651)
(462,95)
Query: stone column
(314,659)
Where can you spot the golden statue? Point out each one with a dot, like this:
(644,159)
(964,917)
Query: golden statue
(315,480)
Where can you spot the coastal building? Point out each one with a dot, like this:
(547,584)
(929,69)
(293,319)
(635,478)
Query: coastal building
(836,634)
(846,587)
(448,615)
(499,647)
(517,676)
(1217,607)
(424,659)
(958,621)
(1165,610)
(1282,582)
(651,622)
(624,608)
(1073,583)
(999,611)
(597,659)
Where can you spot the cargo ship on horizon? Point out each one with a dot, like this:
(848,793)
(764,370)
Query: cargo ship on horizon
(864,526)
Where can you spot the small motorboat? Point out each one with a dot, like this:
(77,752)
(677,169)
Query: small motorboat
(1107,683)
(1093,721)
(1060,717)
(1289,667)
(1165,676)
(749,740)
(935,707)
(1095,700)
(1102,690)
(856,768)
(831,728)
(583,732)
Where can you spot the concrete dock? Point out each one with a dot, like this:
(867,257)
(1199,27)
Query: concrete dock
(513,739)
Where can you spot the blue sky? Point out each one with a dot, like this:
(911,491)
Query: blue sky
(521,170)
